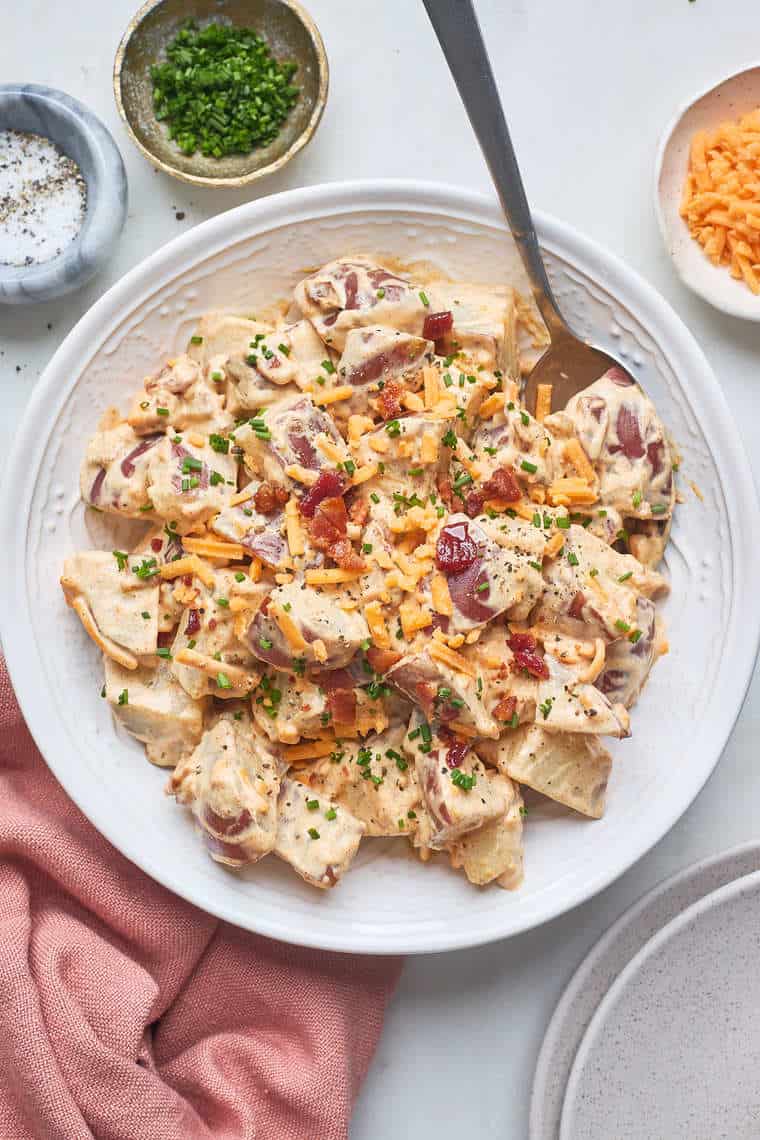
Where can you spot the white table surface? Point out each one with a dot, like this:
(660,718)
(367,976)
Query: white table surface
(588,86)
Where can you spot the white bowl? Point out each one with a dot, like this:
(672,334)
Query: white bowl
(389,902)
(727,99)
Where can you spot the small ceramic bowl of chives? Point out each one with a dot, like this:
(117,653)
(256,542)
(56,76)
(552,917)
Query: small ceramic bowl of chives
(290,35)
(58,233)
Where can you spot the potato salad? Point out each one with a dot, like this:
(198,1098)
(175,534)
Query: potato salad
(372,593)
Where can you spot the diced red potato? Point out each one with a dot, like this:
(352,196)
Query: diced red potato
(514,439)
(123,607)
(421,678)
(218,333)
(290,355)
(508,691)
(262,534)
(494,852)
(455,808)
(165,546)
(627,664)
(373,780)
(623,436)
(571,769)
(213,627)
(189,484)
(354,293)
(155,709)
(232,782)
(566,704)
(114,472)
(403,447)
(296,710)
(180,396)
(483,323)
(326,637)
(595,584)
(295,437)
(373,356)
(491,567)
(318,848)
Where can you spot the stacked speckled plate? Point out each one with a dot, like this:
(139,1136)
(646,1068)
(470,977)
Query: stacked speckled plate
(657,1034)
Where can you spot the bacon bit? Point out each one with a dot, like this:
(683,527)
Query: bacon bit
(327,530)
(576,606)
(269,497)
(436,325)
(193,622)
(358,512)
(342,705)
(473,503)
(456,754)
(505,709)
(523,646)
(382,660)
(213,624)
(329,484)
(164,640)
(156,544)
(344,555)
(389,400)
(446,490)
(426,694)
(503,485)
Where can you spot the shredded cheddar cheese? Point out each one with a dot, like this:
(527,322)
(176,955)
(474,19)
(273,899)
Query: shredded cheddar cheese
(189,565)
(721,196)
(543,401)
(440,652)
(293,529)
(214,548)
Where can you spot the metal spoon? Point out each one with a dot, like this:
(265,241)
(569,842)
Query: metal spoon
(569,364)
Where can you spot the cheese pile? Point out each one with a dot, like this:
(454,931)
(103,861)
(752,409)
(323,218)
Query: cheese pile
(721,196)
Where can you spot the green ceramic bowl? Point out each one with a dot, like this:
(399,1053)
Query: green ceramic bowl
(291,35)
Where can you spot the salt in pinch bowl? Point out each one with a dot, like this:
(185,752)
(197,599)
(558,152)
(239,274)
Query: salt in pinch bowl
(33,109)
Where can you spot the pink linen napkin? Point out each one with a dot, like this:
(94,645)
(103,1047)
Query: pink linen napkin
(128,1014)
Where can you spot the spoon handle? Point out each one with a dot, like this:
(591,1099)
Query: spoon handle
(459,35)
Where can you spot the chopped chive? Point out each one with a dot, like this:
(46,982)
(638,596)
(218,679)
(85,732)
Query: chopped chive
(424,299)
(313,833)
(572,558)
(531,468)
(328,366)
(124,697)
(622,626)
(223,681)
(196,340)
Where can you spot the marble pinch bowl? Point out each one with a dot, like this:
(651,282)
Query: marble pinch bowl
(291,34)
(728,98)
(81,135)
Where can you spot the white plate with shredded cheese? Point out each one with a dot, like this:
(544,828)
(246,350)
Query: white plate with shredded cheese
(390,902)
(726,206)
